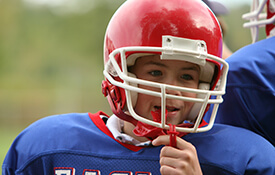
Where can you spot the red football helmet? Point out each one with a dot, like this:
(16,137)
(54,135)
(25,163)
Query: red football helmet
(258,18)
(174,29)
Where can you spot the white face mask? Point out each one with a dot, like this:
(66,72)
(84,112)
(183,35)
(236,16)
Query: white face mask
(170,50)
(258,18)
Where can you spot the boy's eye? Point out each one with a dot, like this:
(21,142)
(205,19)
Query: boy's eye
(187,77)
(155,73)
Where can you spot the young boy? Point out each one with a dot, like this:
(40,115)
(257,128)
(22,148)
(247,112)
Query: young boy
(162,64)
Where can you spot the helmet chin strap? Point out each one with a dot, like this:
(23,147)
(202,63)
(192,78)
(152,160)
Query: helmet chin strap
(152,132)
(149,131)
(173,135)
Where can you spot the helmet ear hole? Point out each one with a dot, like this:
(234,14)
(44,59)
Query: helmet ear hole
(197,106)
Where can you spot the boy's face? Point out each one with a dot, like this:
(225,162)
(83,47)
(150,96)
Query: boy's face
(172,72)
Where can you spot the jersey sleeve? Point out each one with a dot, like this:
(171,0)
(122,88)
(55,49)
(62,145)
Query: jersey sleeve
(58,132)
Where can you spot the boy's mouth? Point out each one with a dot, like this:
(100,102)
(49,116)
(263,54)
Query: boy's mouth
(168,108)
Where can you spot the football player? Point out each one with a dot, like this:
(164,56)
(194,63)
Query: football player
(250,97)
(162,62)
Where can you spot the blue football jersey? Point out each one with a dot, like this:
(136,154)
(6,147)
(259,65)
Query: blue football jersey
(81,144)
(250,91)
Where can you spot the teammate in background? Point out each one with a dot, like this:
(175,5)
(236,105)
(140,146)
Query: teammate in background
(249,101)
(162,61)
(220,10)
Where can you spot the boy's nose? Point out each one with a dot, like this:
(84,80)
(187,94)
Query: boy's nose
(173,92)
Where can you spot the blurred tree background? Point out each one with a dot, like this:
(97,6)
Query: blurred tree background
(51,58)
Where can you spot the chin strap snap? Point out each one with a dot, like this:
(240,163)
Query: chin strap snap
(173,135)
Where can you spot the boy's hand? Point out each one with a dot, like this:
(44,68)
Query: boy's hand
(181,160)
